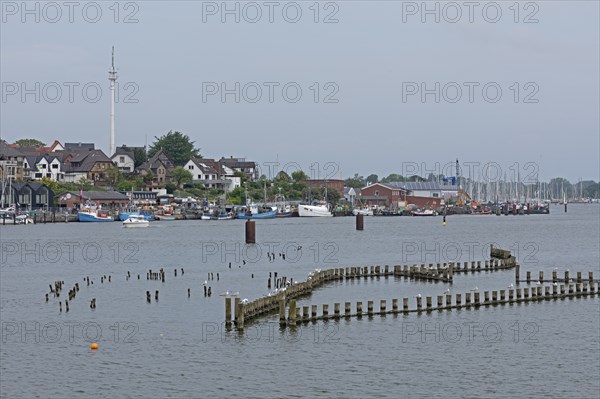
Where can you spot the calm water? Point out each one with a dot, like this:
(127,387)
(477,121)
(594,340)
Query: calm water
(178,348)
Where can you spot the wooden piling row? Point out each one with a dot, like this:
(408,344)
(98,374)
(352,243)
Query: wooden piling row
(527,294)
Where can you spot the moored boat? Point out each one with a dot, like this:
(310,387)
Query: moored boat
(136,221)
(93,215)
(426,212)
(320,209)
(365,211)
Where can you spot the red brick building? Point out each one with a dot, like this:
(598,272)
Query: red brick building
(383,194)
(334,184)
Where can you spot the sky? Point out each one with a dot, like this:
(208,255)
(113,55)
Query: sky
(332,88)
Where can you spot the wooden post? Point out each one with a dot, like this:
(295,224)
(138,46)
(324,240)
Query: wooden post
(282,312)
(359,309)
(370,308)
(382,306)
(554,276)
(325,310)
(518,295)
(440,302)
(458,301)
(566,277)
(336,309)
(227,310)
(467,299)
(541,279)
(395,305)
(448,301)
(579,277)
(528,277)
(591,277)
(360,221)
(517,272)
(428,303)
(486,298)
(511,293)
(405,305)
(526,294)
(292,312)
(494,297)
(305,313)
(502,296)
(562,291)
(419,304)
(347,310)
(250,232)
(555,290)
(476,294)
(547,292)
(313,312)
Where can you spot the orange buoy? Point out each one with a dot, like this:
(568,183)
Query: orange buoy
(93,346)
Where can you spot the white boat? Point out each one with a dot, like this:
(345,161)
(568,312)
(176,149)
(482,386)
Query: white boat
(426,212)
(8,211)
(318,210)
(136,221)
(366,211)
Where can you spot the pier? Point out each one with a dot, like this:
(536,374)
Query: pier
(286,297)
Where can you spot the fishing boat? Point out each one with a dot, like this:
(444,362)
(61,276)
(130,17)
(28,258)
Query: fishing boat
(164,213)
(319,209)
(23,219)
(253,211)
(90,214)
(224,216)
(136,221)
(283,208)
(426,212)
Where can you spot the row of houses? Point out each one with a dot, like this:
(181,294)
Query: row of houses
(72,162)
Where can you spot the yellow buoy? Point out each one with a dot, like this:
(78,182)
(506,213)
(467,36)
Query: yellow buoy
(93,346)
(444,223)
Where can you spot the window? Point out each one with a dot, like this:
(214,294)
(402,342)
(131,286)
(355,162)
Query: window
(41,198)
(199,177)
(54,166)
(191,167)
(436,195)
(38,175)
(48,174)
(122,159)
(376,193)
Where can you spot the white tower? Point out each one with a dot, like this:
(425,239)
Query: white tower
(112,77)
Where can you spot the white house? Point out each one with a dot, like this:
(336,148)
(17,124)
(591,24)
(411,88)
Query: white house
(38,167)
(212,174)
(124,160)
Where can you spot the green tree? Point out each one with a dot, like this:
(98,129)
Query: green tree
(393,177)
(30,143)
(372,179)
(299,175)
(178,147)
(85,184)
(148,177)
(181,176)
(114,176)
(355,182)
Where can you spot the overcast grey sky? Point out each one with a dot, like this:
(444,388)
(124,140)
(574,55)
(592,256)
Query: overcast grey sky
(361,76)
